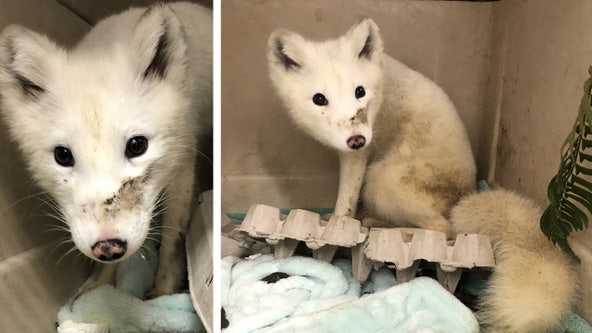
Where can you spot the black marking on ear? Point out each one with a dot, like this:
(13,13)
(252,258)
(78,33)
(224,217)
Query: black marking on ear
(160,61)
(288,62)
(29,88)
(368,48)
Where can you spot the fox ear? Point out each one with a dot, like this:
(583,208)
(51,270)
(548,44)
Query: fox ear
(283,49)
(160,41)
(366,38)
(24,58)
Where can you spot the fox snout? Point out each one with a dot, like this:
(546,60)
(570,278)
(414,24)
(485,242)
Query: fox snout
(110,240)
(109,249)
(110,220)
(356,142)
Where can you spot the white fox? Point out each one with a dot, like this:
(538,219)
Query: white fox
(111,125)
(396,132)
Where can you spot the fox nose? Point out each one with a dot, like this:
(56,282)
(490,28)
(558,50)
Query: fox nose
(356,142)
(110,249)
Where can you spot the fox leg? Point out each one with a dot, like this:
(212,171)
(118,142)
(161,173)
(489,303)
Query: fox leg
(352,167)
(172,258)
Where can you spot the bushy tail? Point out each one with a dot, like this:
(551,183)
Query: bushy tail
(533,285)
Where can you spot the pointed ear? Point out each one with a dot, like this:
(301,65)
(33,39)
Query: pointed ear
(284,50)
(367,42)
(159,40)
(24,58)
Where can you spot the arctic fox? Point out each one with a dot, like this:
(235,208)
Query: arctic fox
(109,128)
(533,285)
(396,132)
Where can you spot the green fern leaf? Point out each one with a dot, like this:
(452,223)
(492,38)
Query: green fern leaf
(569,193)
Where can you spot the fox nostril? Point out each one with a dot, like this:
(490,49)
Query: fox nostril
(356,142)
(110,249)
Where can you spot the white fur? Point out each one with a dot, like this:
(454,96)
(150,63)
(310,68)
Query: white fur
(95,98)
(417,160)
(533,285)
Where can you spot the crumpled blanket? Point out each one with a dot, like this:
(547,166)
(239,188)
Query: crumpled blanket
(119,311)
(298,294)
(123,310)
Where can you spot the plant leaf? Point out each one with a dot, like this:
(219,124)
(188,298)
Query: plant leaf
(568,191)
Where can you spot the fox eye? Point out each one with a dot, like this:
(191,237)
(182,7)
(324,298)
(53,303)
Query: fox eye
(319,99)
(63,156)
(360,92)
(136,146)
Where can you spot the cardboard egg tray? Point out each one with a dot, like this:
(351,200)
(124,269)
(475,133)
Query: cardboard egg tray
(400,248)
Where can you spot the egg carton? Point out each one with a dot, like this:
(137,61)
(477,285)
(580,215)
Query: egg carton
(400,248)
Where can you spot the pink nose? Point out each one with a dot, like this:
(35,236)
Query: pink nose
(110,249)
(356,142)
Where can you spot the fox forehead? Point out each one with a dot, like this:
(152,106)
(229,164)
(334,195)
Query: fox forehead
(333,66)
(104,95)
(96,111)
(79,78)
(332,54)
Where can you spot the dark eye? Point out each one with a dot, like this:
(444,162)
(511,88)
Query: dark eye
(360,92)
(63,156)
(136,146)
(320,100)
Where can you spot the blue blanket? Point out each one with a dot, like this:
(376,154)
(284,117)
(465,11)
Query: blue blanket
(298,294)
(123,310)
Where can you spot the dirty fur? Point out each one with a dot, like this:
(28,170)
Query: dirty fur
(533,285)
(417,160)
(141,73)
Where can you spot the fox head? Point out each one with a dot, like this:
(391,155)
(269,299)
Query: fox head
(103,131)
(332,89)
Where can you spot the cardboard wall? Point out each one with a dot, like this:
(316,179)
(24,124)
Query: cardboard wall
(91,11)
